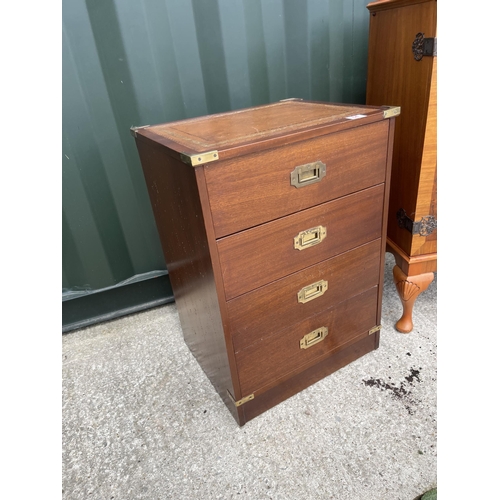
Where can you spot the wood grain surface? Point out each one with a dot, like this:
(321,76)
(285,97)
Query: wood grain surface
(248,191)
(279,353)
(395,76)
(178,214)
(257,256)
(275,306)
(299,380)
(228,230)
(219,131)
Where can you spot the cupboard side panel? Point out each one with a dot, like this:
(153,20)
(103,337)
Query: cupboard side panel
(395,78)
(427,193)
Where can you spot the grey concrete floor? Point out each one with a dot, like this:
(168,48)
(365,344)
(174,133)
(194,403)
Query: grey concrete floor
(142,421)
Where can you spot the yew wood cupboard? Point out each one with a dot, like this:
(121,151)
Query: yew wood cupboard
(402,71)
(273,221)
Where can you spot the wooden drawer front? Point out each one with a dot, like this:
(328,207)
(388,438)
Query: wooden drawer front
(270,307)
(265,253)
(257,188)
(277,355)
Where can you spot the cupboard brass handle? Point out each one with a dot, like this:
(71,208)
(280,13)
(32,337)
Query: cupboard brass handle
(312,291)
(313,337)
(303,175)
(309,237)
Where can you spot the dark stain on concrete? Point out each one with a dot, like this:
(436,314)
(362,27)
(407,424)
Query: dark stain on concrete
(414,374)
(401,393)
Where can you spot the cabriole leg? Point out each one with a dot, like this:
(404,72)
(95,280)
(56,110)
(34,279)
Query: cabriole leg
(409,288)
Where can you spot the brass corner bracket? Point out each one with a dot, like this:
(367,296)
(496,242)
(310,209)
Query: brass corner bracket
(199,158)
(133,130)
(242,400)
(392,111)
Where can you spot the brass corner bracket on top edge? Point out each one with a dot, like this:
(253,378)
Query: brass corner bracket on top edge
(133,130)
(392,111)
(199,158)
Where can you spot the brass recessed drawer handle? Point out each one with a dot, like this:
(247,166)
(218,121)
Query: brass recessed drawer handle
(312,291)
(303,175)
(309,237)
(313,338)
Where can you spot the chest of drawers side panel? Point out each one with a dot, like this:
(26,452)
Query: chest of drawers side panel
(385,217)
(177,207)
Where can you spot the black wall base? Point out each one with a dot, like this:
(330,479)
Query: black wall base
(116,302)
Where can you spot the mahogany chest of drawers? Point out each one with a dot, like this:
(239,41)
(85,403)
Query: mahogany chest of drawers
(273,220)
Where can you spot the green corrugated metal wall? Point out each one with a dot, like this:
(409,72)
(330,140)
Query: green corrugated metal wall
(135,62)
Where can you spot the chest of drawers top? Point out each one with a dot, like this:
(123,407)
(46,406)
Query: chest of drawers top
(228,135)
(272,224)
